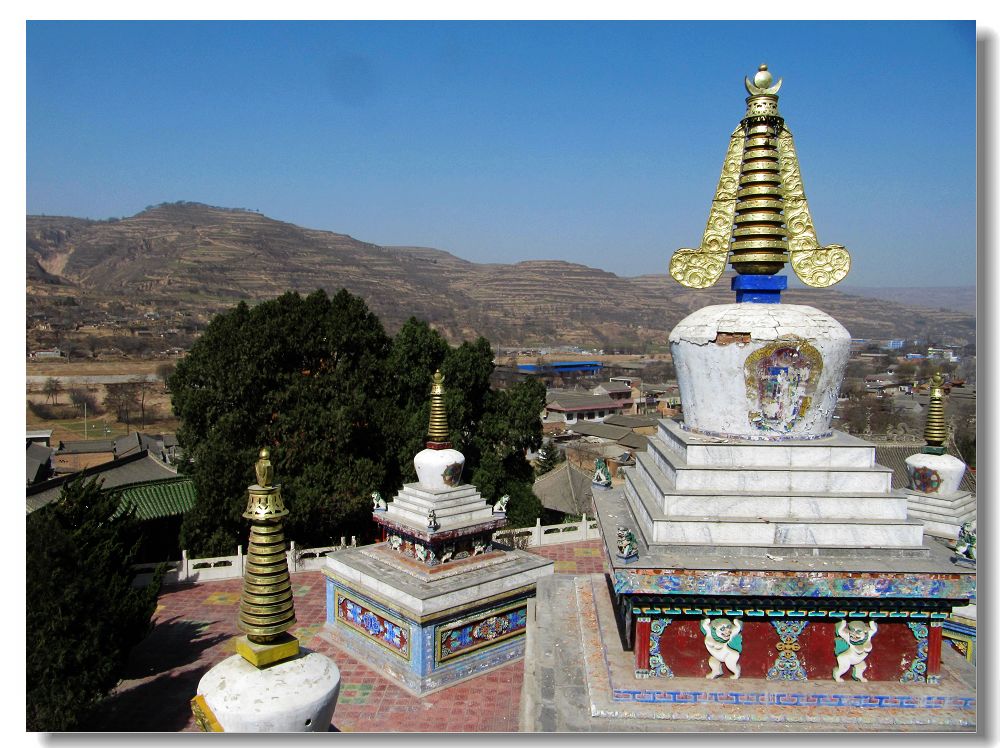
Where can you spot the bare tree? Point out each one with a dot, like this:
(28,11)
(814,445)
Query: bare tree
(80,398)
(164,371)
(52,389)
(123,399)
(142,387)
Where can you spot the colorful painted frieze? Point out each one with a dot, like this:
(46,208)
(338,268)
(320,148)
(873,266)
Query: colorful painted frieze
(788,650)
(462,637)
(392,634)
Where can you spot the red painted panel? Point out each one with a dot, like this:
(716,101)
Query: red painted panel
(816,650)
(934,650)
(642,643)
(682,646)
(894,647)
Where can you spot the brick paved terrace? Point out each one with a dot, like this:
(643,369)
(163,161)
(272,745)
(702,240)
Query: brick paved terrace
(195,628)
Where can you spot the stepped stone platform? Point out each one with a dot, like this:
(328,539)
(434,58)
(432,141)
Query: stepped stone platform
(824,494)
(942,516)
(578,678)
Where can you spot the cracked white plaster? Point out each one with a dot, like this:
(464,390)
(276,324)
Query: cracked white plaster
(711,374)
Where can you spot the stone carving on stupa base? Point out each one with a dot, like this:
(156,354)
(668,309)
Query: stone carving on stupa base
(965,546)
(501,506)
(852,646)
(602,474)
(628,546)
(724,643)
(378,503)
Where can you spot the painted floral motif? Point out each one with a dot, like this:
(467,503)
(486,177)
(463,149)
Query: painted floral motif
(791,585)
(724,643)
(491,628)
(657,667)
(851,646)
(917,672)
(376,627)
(926,480)
(481,632)
(787,666)
(781,379)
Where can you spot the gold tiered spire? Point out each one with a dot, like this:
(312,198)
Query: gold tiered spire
(266,608)
(760,218)
(437,432)
(935,432)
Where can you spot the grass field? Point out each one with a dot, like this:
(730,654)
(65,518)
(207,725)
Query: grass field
(73,429)
(89,367)
(101,426)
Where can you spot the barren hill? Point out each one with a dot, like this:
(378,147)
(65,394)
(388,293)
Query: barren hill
(195,260)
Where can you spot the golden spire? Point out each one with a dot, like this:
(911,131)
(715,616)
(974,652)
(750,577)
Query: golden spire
(935,432)
(437,432)
(266,607)
(760,218)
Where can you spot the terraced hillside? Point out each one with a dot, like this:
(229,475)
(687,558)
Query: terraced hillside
(193,259)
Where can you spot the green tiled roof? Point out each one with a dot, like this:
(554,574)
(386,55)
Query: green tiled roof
(155,499)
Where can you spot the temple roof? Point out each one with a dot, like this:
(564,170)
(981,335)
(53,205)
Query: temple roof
(137,468)
(153,500)
(565,489)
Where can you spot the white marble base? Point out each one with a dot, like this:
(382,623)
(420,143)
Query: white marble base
(298,695)
(812,478)
(839,450)
(453,507)
(417,598)
(942,516)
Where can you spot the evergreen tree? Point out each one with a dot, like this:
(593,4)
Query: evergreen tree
(549,458)
(83,616)
(343,408)
(303,376)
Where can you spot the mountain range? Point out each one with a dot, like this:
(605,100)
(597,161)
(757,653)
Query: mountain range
(197,260)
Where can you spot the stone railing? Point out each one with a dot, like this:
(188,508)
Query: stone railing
(194,570)
(539,535)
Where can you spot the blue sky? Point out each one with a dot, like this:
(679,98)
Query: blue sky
(599,143)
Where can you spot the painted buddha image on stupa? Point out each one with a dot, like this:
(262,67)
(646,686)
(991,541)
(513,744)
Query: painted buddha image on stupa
(781,381)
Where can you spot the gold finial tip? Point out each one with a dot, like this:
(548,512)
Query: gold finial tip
(763,78)
(265,453)
(438,377)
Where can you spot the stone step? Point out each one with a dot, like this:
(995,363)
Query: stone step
(657,527)
(464,493)
(767,504)
(961,498)
(837,451)
(956,516)
(445,518)
(845,480)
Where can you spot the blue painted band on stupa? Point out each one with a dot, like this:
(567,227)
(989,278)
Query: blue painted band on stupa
(759,289)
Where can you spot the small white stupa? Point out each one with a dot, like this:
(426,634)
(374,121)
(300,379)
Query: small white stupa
(437,601)
(933,494)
